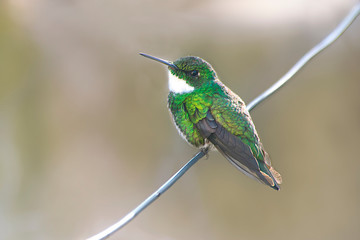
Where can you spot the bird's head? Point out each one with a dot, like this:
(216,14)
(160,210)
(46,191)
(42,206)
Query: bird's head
(187,73)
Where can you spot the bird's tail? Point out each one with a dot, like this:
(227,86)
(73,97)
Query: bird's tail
(271,175)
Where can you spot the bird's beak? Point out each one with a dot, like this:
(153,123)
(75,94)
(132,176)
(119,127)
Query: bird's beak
(170,64)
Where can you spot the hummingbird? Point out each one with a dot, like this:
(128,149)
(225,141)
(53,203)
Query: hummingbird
(207,114)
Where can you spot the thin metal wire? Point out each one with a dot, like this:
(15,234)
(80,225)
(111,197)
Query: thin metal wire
(339,30)
(112,229)
(335,34)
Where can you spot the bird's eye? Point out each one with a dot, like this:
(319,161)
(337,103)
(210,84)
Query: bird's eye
(194,73)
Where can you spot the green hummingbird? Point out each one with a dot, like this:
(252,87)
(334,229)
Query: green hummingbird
(207,114)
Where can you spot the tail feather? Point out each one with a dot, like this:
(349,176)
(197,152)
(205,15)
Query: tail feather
(276,175)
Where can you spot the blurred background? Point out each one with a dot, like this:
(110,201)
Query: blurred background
(85,134)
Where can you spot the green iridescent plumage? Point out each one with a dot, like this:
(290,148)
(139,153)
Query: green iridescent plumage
(206,112)
(188,109)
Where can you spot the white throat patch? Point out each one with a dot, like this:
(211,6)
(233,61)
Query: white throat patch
(178,85)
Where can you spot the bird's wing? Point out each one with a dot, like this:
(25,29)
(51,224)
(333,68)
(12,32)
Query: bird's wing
(225,122)
(231,146)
